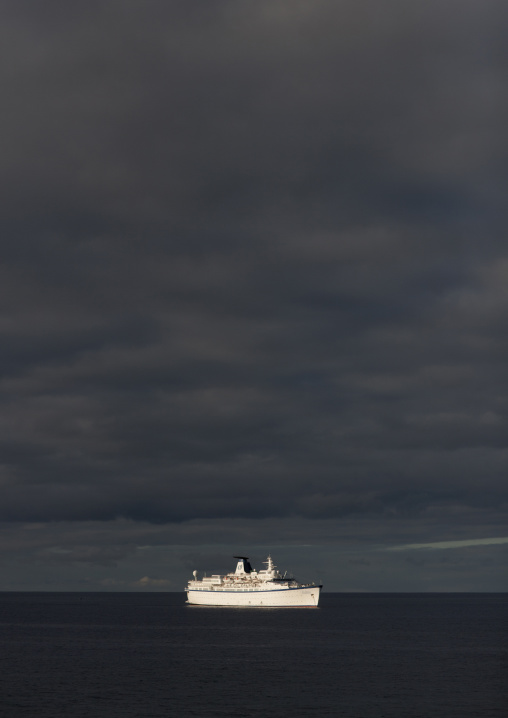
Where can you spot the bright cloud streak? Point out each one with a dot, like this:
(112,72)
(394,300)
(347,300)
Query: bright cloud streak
(450,544)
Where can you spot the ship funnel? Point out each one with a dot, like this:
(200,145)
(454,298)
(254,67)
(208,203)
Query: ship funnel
(243,565)
(195,574)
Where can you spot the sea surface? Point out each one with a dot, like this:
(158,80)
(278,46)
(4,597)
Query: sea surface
(136,655)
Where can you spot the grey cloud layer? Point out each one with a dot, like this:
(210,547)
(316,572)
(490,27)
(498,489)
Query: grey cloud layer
(255,262)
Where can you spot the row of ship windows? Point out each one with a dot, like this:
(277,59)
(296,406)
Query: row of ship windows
(229,588)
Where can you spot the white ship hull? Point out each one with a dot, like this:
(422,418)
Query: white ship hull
(306,596)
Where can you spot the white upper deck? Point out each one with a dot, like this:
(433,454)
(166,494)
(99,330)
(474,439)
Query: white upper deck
(245,578)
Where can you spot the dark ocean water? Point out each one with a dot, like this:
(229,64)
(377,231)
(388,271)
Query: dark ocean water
(357,656)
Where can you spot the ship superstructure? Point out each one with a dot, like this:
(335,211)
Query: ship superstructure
(248,587)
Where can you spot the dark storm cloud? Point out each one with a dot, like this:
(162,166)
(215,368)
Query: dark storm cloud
(254,264)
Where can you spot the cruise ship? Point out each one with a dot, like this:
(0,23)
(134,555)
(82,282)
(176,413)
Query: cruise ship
(248,587)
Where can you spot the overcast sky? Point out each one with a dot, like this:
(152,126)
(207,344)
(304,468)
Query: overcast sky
(254,292)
